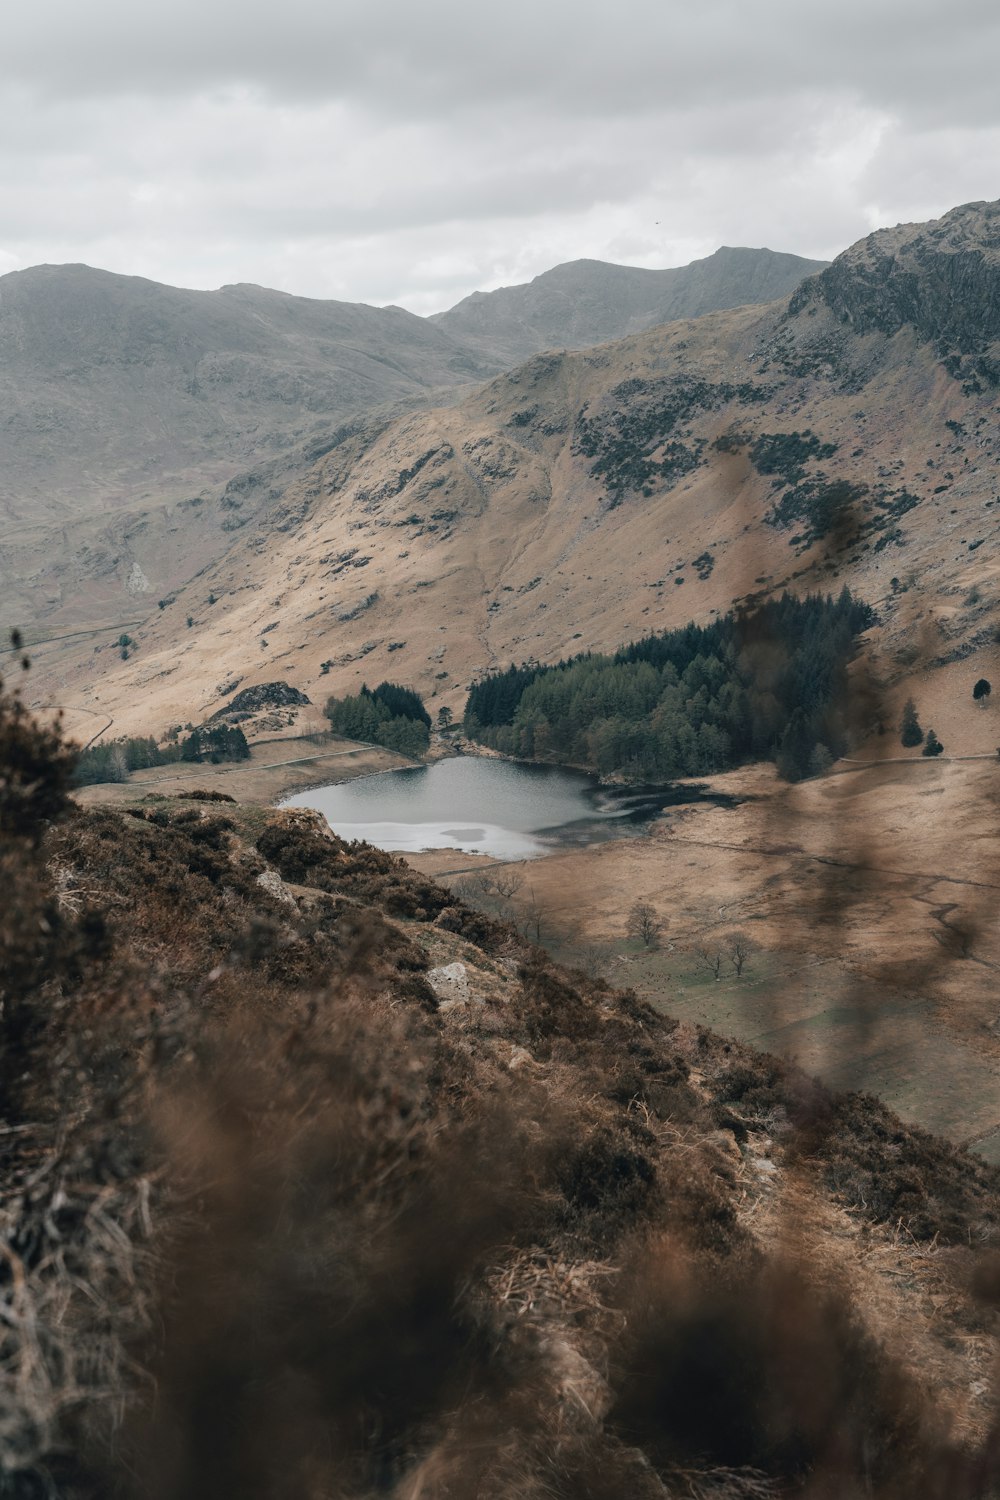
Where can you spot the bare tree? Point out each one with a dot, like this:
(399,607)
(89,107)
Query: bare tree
(645,922)
(739,946)
(710,959)
(532,919)
(471,890)
(593,959)
(506,881)
(491,889)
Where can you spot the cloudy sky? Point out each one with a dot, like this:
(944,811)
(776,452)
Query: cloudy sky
(410,151)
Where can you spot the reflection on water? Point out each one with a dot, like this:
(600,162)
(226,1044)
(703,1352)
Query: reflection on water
(498,807)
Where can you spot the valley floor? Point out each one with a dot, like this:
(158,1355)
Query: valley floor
(868,898)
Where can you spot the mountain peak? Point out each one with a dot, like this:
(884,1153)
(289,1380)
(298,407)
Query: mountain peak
(941,279)
(585,302)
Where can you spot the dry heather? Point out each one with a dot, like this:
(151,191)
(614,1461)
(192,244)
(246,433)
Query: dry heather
(278,1220)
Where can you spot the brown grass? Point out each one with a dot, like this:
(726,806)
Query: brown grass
(274,1224)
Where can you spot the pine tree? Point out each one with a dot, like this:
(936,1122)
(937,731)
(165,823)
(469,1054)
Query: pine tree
(820,760)
(796,748)
(933,745)
(910,732)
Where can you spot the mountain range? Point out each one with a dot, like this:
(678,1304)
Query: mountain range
(118,391)
(144,424)
(845,434)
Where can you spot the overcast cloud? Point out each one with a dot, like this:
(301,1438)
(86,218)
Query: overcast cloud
(410,151)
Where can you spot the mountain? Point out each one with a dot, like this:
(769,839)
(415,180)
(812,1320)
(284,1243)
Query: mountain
(587,497)
(116,389)
(144,424)
(588,302)
(941,279)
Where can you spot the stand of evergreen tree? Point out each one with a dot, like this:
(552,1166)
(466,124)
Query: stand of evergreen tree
(388,715)
(770,684)
(222,743)
(115,760)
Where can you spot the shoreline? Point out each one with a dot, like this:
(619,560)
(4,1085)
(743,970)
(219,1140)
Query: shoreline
(901,849)
(258,781)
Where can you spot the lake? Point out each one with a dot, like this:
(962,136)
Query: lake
(503,808)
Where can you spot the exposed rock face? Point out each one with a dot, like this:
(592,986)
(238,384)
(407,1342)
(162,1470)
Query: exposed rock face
(450,982)
(272,884)
(266,695)
(941,278)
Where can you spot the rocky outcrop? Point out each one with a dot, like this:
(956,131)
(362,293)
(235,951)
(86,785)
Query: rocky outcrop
(941,279)
(266,695)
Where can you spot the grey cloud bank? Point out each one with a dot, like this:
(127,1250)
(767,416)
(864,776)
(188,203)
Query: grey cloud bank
(400,153)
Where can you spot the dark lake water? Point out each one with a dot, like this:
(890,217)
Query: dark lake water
(503,808)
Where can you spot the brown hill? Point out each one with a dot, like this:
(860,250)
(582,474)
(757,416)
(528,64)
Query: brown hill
(145,424)
(118,390)
(588,497)
(315,1181)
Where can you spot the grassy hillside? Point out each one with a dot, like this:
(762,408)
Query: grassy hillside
(587,498)
(315,1181)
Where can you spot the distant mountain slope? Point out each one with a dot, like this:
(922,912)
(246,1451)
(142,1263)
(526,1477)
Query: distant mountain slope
(118,393)
(590,301)
(115,390)
(586,498)
(143,424)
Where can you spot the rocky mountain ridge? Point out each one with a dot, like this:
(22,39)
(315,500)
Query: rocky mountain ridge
(144,425)
(587,302)
(941,279)
(587,497)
